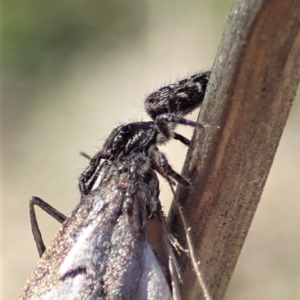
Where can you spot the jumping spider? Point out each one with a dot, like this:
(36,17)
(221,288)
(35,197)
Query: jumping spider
(167,108)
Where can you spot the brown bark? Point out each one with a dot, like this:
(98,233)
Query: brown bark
(253,84)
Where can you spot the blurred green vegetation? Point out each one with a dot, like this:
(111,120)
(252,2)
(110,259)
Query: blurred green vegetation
(50,32)
(46,34)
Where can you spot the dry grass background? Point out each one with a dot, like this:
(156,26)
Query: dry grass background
(49,119)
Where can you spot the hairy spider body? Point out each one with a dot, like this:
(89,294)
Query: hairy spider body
(179,98)
(168,104)
(166,107)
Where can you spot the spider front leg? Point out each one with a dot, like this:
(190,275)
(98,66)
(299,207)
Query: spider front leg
(88,177)
(159,162)
(181,138)
(167,122)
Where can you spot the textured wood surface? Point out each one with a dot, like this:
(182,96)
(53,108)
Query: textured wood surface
(253,84)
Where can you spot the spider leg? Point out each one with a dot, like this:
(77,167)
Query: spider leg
(34,224)
(181,139)
(159,162)
(167,122)
(88,177)
(88,157)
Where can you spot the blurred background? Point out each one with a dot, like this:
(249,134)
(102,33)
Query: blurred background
(74,70)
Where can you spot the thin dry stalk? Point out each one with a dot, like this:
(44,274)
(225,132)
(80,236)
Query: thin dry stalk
(253,84)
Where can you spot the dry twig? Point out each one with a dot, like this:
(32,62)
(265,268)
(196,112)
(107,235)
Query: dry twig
(249,97)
